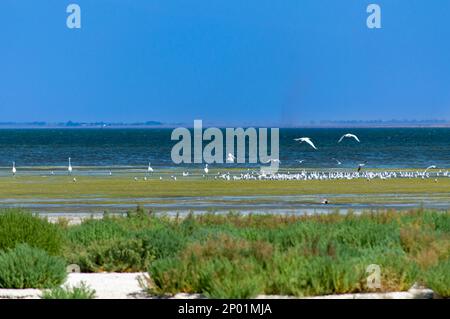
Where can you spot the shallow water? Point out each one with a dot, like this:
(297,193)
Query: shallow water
(291,204)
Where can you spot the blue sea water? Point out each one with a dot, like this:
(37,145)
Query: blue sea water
(379,147)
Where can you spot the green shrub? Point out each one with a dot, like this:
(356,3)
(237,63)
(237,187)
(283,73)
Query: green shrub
(162,241)
(114,255)
(219,268)
(214,278)
(28,267)
(67,292)
(17,227)
(294,274)
(95,230)
(437,278)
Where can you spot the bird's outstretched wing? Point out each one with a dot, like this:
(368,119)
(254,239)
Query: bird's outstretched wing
(307,140)
(355,137)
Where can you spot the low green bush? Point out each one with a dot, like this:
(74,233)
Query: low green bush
(67,292)
(219,268)
(162,241)
(95,230)
(437,278)
(114,255)
(28,267)
(17,227)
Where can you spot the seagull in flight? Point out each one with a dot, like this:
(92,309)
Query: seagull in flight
(273,160)
(307,140)
(348,135)
(300,161)
(338,162)
(430,167)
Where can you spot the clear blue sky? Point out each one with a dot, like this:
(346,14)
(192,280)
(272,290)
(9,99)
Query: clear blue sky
(252,61)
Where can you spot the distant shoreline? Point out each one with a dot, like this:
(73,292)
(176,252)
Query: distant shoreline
(161,125)
(26,127)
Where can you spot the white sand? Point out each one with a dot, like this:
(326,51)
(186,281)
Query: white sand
(126,285)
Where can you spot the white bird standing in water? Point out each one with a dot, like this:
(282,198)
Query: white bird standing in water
(206,169)
(69,169)
(349,135)
(150,168)
(14,171)
(307,140)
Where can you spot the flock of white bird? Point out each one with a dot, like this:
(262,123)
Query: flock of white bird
(304,175)
(331,175)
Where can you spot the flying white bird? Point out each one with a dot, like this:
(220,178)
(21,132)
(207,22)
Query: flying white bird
(307,140)
(206,169)
(348,135)
(14,171)
(273,160)
(300,161)
(69,169)
(430,167)
(230,158)
(338,162)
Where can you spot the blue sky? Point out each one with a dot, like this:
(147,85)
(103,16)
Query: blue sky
(224,61)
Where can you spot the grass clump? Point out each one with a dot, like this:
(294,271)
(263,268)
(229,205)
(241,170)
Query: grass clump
(28,267)
(67,292)
(219,269)
(437,278)
(112,255)
(17,227)
(93,230)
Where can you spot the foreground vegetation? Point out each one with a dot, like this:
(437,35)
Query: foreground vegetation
(70,292)
(243,256)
